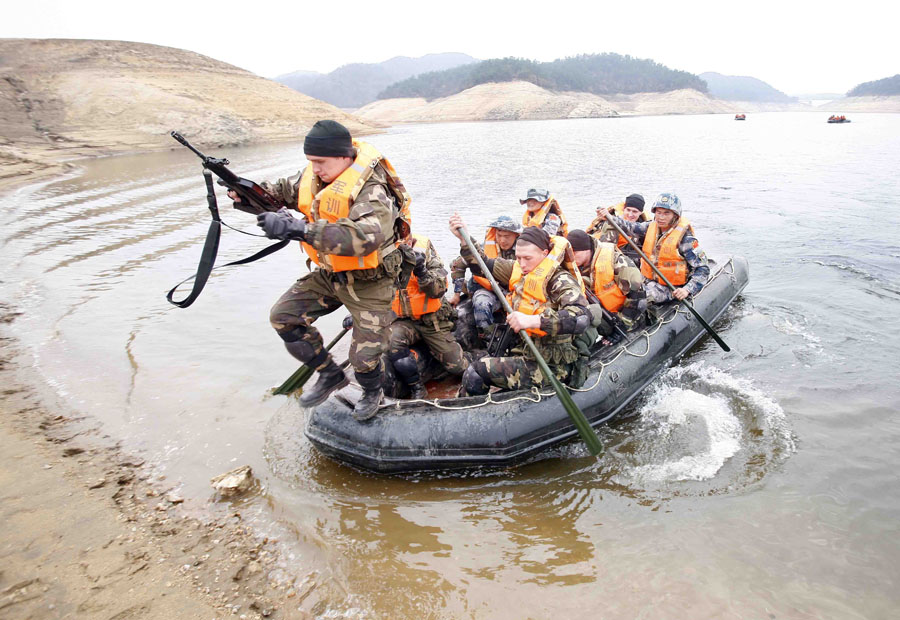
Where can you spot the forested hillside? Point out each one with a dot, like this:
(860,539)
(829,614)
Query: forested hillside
(599,74)
(878,88)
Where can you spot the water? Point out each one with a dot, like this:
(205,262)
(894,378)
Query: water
(759,483)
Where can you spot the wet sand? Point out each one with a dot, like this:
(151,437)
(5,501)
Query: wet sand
(89,533)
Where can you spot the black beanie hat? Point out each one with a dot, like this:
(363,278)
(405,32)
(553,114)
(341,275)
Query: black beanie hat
(328,139)
(580,241)
(635,201)
(536,236)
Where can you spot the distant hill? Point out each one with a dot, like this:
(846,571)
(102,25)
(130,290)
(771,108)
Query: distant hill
(355,85)
(66,98)
(743,88)
(599,74)
(879,88)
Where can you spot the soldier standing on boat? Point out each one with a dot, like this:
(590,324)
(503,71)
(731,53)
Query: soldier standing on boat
(543,210)
(669,241)
(631,210)
(547,300)
(351,198)
(422,314)
(613,278)
(499,242)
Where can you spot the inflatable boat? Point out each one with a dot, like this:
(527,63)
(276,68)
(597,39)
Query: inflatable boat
(502,429)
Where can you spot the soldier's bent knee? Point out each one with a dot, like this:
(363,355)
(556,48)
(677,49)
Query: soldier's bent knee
(472,382)
(292,334)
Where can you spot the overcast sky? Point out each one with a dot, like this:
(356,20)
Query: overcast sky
(797,47)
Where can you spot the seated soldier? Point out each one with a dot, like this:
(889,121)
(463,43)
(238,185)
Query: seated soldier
(612,278)
(669,242)
(542,210)
(499,241)
(422,314)
(547,301)
(632,210)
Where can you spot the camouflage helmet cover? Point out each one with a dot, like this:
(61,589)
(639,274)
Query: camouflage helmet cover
(667,201)
(505,222)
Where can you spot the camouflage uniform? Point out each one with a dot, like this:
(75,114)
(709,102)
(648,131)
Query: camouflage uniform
(689,248)
(565,316)
(366,293)
(434,328)
(484,301)
(629,280)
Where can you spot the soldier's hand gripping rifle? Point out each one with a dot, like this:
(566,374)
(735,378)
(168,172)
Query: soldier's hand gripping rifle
(254,199)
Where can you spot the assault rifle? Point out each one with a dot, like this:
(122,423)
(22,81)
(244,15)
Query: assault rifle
(501,340)
(254,199)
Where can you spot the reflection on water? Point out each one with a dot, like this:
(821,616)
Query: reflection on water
(749,484)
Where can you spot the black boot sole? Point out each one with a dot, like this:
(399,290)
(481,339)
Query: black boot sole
(321,399)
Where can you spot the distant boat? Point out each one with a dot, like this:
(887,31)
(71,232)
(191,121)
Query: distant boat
(834,118)
(740,117)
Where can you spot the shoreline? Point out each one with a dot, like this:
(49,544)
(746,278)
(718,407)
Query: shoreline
(90,531)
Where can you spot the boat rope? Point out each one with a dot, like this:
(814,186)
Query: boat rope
(535,395)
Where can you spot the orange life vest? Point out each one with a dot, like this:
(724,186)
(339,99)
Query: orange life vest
(411,302)
(491,250)
(541,214)
(528,295)
(333,202)
(664,253)
(604,278)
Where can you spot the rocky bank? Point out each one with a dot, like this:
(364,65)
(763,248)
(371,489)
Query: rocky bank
(61,99)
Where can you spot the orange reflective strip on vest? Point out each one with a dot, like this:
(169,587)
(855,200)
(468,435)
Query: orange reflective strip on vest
(664,253)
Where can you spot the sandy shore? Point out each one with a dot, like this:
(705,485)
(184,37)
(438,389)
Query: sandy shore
(89,533)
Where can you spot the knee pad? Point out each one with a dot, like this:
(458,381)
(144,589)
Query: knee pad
(293,334)
(472,382)
(407,368)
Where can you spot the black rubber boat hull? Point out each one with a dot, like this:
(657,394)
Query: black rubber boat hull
(411,436)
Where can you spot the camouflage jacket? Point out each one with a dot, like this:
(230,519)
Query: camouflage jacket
(368,227)
(606,233)
(459,265)
(565,316)
(689,248)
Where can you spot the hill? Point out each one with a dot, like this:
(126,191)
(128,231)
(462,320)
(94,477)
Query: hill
(743,88)
(885,87)
(525,101)
(62,99)
(355,85)
(599,74)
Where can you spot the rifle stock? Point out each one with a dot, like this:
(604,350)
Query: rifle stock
(254,199)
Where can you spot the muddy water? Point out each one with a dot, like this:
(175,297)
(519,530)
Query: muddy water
(758,483)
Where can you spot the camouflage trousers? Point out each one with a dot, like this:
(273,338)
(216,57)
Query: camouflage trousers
(657,293)
(514,373)
(439,340)
(318,294)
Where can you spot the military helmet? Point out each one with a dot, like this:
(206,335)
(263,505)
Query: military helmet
(667,201)
(505,222)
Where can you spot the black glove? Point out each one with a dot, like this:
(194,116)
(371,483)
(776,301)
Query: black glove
(419,270)
(348,322)
(282,225)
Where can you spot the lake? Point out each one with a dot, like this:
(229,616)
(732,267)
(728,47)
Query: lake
(760,483)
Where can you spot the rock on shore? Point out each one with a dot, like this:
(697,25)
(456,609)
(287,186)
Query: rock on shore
(526,101)
(62,98)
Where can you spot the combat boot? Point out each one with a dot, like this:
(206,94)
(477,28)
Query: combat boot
(418,391)
(367,405)
(331,378)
